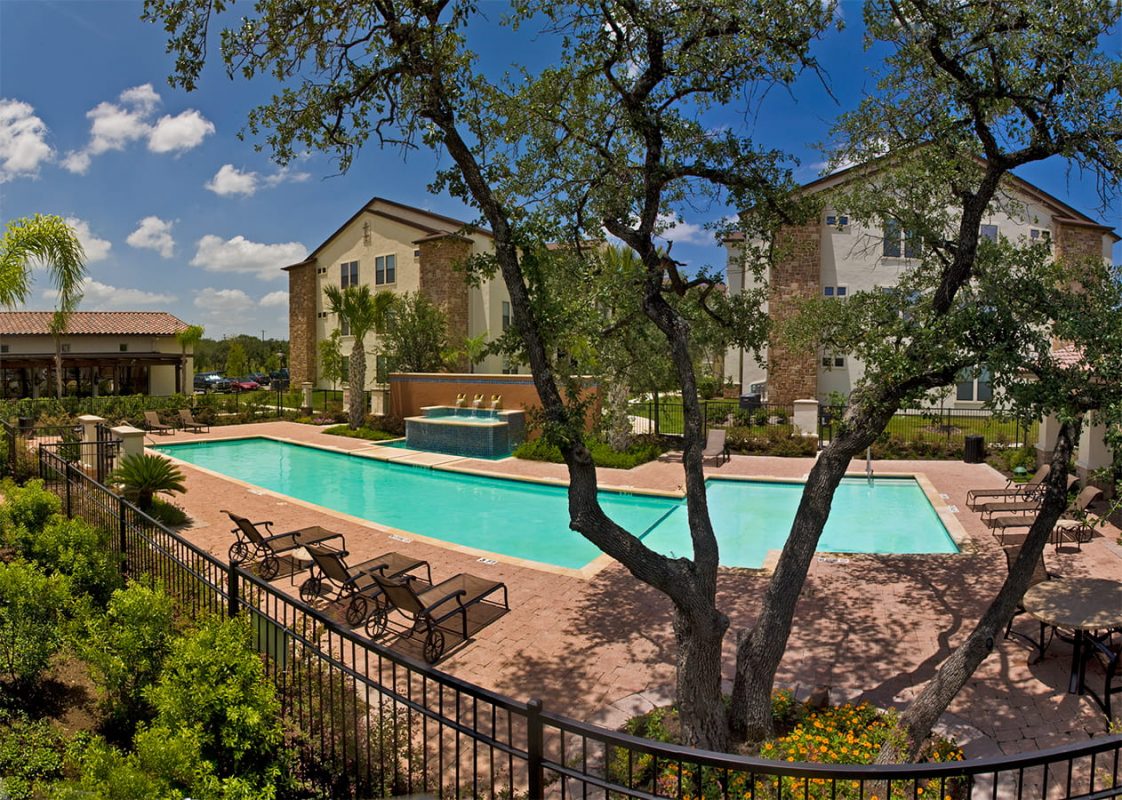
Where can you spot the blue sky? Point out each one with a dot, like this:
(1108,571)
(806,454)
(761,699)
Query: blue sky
(178,214)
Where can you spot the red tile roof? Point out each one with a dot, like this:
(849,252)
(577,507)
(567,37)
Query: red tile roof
(105,323)
(1068,355)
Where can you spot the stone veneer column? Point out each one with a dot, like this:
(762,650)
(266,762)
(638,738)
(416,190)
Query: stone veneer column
(445,285)
(302,323)
(793,374)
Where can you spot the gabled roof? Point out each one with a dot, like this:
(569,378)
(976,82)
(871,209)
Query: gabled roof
(439,224)
(93,323)
(1062,212)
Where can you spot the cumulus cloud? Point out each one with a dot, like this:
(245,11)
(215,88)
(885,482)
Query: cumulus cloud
(681,232)
(277,299)
(98,296)
(23,140)
(96,249)
(181,132)
(230,180)
(153,233)
(222,302)
(115,125)
(241,255)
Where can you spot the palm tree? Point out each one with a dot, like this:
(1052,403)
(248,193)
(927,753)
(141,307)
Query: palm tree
(363,312)
(49,240)
(188,337)
(143,475)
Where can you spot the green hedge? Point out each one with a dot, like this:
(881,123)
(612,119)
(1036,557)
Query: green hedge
(641,450)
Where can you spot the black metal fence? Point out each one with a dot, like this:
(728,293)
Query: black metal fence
(663,416)
(374,722)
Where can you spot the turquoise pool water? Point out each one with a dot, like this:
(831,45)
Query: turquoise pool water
(530,520)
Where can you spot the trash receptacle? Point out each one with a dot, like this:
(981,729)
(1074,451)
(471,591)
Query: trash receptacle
(750,402)
(25,425)
(975,452)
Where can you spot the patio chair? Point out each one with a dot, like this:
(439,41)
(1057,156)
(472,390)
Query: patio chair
(330,569)
(429,607)
(187,422)
(1011,491)
(268,547)
(716,447)
(1040,574)
(1027,505)
(1072,526)
(152,423)
(1108,652)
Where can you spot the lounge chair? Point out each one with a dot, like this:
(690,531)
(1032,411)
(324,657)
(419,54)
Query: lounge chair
(1040,574)
(330,569)
(716,447)
(1011,492)
(1072,526)
(187,422)
(252,545)
(431,605)
(152,423)
(1026,506)
(1108,652)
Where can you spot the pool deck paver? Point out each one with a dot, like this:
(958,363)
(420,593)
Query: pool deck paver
(869,626)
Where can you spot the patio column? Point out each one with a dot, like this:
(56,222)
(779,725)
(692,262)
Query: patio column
(1093,454)
(306,388)
(132,440)
(1046,439)
(806,417)
(89,424)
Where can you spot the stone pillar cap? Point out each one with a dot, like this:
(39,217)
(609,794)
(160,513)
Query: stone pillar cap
(90,419)
(127,430)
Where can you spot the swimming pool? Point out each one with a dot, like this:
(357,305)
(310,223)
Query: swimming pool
(530,520)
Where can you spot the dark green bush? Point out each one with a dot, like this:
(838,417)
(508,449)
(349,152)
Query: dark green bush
(31,755)
(25,511)
(641,450)
(371,434)
(76,549)
(774,440)
(168,513)
(31,616)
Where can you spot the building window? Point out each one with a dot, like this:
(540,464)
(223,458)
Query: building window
(416,254)
(510,368)
(124,348)
(988,232)
(1040,236)
(348,274)
(835,291)
(837,220)
(832,361)
(897,241)
(974,387)
(322,315)
(344,326)
(3,348)
(321,270)
(66,348)
(381,369)
(385,270)
(506,316)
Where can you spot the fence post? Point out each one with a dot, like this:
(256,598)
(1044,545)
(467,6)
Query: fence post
(232,591)
(122,534)
(656,428)
(535,750)
(69,500)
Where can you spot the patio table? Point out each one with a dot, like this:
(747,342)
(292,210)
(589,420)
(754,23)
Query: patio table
(1081,605)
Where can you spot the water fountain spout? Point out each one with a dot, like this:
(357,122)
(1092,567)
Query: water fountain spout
(477,402)
(496,402)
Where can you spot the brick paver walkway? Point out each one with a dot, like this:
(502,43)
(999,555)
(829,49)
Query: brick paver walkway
(877,626)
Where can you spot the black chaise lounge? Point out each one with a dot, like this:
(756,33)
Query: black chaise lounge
(252,545)
(330,570)
(188,423)
(427,607)
(1012,491)
(152,423)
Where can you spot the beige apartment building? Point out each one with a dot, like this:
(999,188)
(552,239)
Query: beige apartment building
(103,353)
(837,257)
(390,246)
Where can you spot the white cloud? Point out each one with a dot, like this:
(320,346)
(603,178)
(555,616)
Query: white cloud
(286,175)
(241,255)
(115,126)
(229,180)
(97,296)
(23,140)
(153,233)
(277,299)
(96,249)
(221,302)
(142,97)
(77,161)
(181,132)
(683,232)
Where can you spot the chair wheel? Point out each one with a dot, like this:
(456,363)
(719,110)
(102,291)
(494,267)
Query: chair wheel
(434,646)
(310,589)
(238,553)
(270,567)
(377,623)
(357,611)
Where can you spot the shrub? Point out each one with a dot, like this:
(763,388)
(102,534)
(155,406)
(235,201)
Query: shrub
(641,450)
(143,475)
(708,387)
(31,606)
(126,647)
(31,755)
(214,682)
(371,434)
(25,511)
(774,440)
(76,549)
(168,513)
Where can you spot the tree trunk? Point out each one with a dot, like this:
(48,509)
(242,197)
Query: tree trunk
(58,368)
(915,724)
(356,377)
(619,421)
(698,636)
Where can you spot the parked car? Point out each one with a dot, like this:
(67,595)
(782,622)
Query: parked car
(211,382)
(279,374)
(261,378)
(243,385)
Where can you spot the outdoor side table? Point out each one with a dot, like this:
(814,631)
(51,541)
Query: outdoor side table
(1081,605)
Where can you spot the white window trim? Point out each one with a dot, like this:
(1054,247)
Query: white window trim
(383,257)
